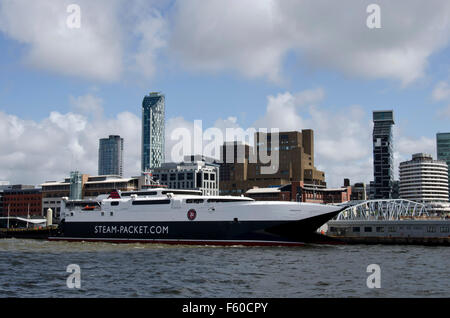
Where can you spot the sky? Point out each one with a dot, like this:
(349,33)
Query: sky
(66,81)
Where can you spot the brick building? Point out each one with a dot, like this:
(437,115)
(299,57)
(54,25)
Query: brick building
(22,200)
(244,170)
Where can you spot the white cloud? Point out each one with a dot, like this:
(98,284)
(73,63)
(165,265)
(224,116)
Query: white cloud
(408,146)
(176,129)
(253,37)
(32,152)
(228,35)
(199,139)
(441,91)
(150,29)
(405,147)
(288,105)
(87,104)
(115,36)
(93,51)
(444,112)
(342,138)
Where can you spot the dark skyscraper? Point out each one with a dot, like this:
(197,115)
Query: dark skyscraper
(153,123)
(383,155)
(443,148)
(110,156)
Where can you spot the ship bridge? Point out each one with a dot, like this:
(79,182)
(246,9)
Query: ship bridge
(382,209)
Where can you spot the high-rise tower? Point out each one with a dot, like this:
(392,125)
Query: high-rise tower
(153,129)
(383,155)
(110,156)
(443,148)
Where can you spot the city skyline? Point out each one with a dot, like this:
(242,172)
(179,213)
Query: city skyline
(245,80)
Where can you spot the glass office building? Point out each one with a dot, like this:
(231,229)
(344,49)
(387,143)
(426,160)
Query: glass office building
(110,156)
(153,130)
(443,148)
(76,185)
(383,155)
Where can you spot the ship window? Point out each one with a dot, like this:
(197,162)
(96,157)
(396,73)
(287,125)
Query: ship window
(194,200)
(151,202)
(115,203)
(380,228)
(368,229)
(111,213)
(139,193)
(356,229)
(181,192)
(431,229)
(72,205)
(444,229)
(392,229)
(228,200)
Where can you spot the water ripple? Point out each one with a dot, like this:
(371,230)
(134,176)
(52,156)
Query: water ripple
(31,268)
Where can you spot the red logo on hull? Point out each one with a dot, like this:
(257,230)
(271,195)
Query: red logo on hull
(191,214)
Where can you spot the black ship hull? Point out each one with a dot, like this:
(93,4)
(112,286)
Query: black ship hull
(197,232)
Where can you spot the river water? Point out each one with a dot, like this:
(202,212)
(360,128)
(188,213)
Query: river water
(33,268)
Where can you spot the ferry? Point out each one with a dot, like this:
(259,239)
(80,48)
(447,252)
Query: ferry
(174,216)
